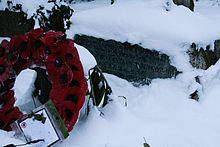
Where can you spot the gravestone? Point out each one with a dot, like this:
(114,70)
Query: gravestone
(203,58)
(14,23)
(187,3)
(131,62)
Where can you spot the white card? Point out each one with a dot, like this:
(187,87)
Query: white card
(34,130)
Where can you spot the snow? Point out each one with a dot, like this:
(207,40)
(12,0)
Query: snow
(88,61)
(146,23)
(162,112)
(8,138)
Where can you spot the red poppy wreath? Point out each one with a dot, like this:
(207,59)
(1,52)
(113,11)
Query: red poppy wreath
(53,51)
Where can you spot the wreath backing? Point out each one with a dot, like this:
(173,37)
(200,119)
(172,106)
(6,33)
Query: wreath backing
(53,51)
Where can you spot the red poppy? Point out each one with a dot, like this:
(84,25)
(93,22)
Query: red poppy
(76,66)
(83,85)
(68,114)
(8,101)
(60,49)
(9,83)
(69,101)
(4,49)
(75,94)
(52,39)
(22,64)
(7,118)
(58,72)
(35,45)
(36,33)
(5,68)
(72,50)
(70,118)
(72,94)
(19,44)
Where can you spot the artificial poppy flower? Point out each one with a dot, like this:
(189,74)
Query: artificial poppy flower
(5,68)
(60,49)
(4,49)
(71,58)
(40,56)
(36,33)
(6,52)
(19,44)
(72,49)
(68,114)
(8,118)
(71,94)
(7,100)
(56,94)
(34,43)
(68,101)
(9,83)
(58,72)
(70,123)
(83,85)
(77,71)
(52,39)
(74,94)
(39,62)
(69,118)
(22,64)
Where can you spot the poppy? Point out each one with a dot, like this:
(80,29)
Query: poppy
(5,68)
(69,101)
(74,94)
(72,49)
(35,45)
(83,85)
(68,114)
(9,83)
(7,100)
(4,49)
(69,118)
(7,118)
(22,64)
(52,39)
(58,72)
(71,94)
(19,44)
(36,33)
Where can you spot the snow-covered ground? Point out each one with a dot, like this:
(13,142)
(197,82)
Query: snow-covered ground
(162,112)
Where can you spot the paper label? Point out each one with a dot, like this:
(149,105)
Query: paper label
(34,128)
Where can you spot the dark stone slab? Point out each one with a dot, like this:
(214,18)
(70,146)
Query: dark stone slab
(187,3)
(14,23)
(204,58)
(131,62)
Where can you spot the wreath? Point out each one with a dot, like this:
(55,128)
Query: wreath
(57,54)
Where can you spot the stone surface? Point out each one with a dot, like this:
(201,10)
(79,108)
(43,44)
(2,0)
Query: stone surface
(187,3)
(131,62)
(14,23)
(217,48)
(203,59)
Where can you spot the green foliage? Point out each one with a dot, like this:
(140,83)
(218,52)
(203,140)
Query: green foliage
(112,2)
(100,89)
(146,144)
(38,117)
(56,19)
(42,85)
